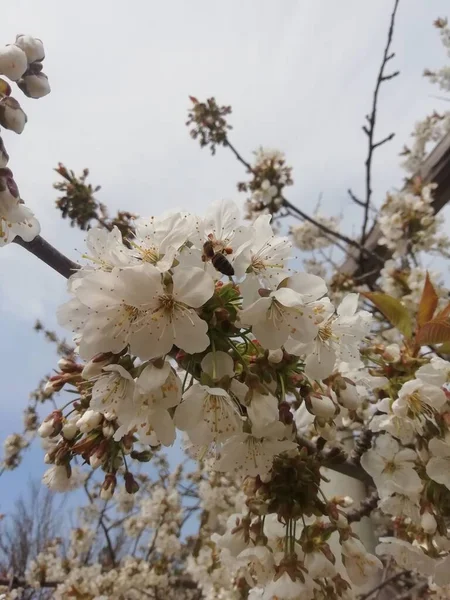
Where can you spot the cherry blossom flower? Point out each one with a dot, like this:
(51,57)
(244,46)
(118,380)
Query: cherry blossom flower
(338,338)
(438,467)
(157,390)
(264,264)
(158,239)
(288,311)
(252,454)
(285,588)
(418,401)
(208,415)
(359,564)
(387,462)
(112,391)
(405,555)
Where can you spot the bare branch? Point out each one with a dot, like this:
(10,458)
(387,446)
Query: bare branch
(354,198)
(370,130)
(388,138)
(391,76)
(50,255)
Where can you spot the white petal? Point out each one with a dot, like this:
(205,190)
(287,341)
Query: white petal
(192,286)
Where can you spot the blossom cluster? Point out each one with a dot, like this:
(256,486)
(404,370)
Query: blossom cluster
(307,236)
(198,324)
(20,62)
(407,221)
(270,175)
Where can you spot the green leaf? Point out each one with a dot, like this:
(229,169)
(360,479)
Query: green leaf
(428,303)
(393,310)
(434,332)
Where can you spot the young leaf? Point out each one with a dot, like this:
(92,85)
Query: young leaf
(443,314)
(393,310)
(428,303)
(434,332)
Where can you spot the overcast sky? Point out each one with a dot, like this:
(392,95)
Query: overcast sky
(298,73)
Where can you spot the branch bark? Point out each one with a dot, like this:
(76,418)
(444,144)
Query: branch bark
(370,129)
(50,255)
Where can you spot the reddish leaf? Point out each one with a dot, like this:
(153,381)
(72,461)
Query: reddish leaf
(393,310)
(434,332)
(444,314)
(428,303)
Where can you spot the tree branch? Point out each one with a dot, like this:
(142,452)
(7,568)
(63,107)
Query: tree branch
(50,255)
(370,129)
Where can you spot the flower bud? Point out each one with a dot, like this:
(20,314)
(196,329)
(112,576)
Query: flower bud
(392,353)
(275,356)
(322,406)
(13,62)
(108,430)
(45,429)
(108,487)
(95,461)
(89,421)
(48,459)
(8,186)
(69,430)
(35,85)
(33,47)
(131,485)
(67,365)
(11,115)
(428,522)
(94,367)
(349,397)
(4,156)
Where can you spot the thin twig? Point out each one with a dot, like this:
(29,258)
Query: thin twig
(384,584)
(370,128)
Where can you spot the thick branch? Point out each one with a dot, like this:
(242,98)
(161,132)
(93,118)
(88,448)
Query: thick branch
(336,460)
(370,130)
(50,255)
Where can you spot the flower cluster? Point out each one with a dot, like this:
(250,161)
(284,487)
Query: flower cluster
(270,175)
(406,284)
(408,223)
(209,123)
(215,302)
(20,62)
(307,236)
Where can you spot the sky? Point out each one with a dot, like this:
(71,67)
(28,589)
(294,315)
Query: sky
(299,75)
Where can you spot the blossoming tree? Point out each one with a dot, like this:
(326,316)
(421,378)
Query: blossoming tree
(274,378)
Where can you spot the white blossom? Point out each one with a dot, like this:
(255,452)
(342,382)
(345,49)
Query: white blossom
(388,463)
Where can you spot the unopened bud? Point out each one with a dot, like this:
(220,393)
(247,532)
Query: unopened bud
(143,456)
(35,85)
(349,397)
(48,459)
(90,420)
(428,522)
(321,406)
(108,487)
(11,115)
(33,47)
(13,62)
(131,485)
(69,430)
(95,461)
(94,367)
(392,353)
(45,429)
(4,156)
(275,356)
(107,430)
(66,365)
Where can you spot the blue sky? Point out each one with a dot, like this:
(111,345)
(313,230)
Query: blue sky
(299,75)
